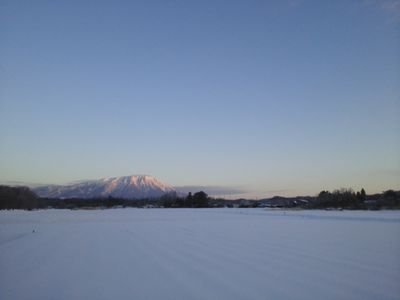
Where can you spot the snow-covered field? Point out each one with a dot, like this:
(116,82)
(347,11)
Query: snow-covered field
(199,254)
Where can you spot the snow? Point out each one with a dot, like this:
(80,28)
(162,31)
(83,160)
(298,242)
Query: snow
(199,254)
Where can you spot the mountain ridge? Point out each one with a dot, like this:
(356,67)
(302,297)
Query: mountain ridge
(126,187)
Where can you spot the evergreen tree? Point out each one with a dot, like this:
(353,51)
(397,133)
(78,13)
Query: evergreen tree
(363,195)
(200,199)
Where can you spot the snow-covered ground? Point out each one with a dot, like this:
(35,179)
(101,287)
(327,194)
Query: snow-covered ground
(199,254)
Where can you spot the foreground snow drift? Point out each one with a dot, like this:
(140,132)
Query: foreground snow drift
(199,254)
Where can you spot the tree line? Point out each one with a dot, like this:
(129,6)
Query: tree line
(18,198)
(24,198)
(348,199)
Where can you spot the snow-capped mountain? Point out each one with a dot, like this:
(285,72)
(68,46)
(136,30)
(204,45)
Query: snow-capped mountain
(127,187)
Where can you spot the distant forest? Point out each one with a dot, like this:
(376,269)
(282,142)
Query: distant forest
(24,198)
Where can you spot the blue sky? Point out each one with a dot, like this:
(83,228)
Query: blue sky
(261,97)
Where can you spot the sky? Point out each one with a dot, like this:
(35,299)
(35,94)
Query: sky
(255,98)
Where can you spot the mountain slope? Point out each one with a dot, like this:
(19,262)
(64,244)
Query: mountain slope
(127,187)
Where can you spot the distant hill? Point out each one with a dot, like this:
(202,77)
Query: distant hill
(125,187)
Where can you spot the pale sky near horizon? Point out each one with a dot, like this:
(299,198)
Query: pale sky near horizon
(253,97)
